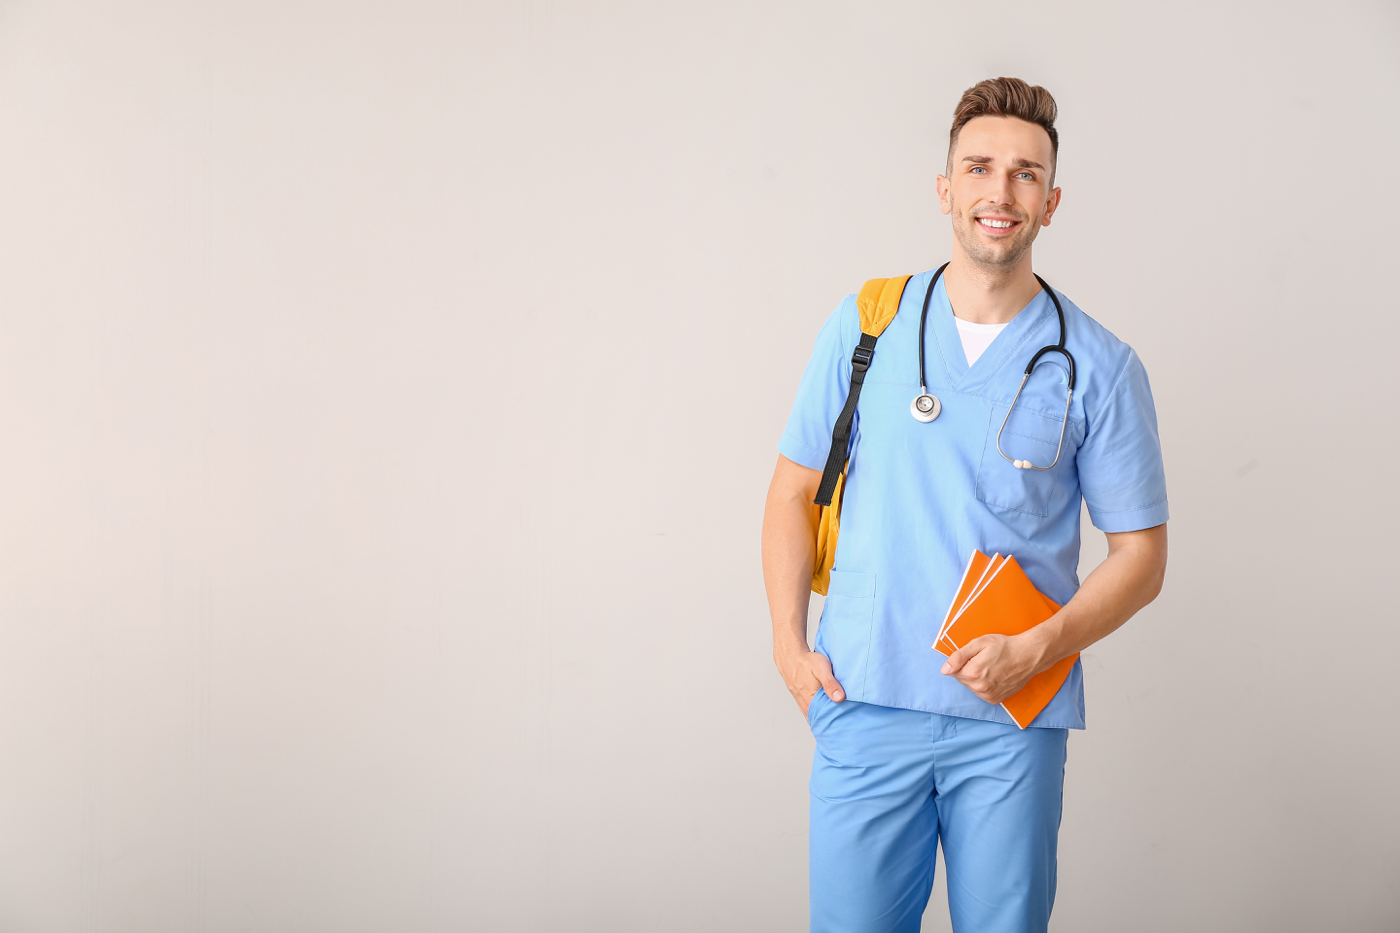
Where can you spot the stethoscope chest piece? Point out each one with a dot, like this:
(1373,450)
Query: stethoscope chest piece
(925,407)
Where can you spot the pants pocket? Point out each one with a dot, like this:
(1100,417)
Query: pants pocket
(812,706)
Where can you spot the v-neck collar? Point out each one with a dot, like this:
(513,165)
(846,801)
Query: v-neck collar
(948,342)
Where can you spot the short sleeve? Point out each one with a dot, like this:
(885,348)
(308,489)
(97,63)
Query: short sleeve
(1120,461)
(821,394)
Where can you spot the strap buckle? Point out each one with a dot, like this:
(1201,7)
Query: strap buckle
(860,360)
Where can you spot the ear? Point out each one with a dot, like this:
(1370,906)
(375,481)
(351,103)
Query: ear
(1052,204)
(945,194)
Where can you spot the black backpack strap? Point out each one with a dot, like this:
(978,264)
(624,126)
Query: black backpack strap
(841,434)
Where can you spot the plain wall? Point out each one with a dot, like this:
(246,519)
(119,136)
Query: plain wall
(389,391)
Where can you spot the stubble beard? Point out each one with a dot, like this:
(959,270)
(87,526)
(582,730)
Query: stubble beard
(994,257)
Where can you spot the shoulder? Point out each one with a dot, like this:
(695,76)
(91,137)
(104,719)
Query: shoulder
(842,327)
(1105,365)
(1100,348)
(1096,342)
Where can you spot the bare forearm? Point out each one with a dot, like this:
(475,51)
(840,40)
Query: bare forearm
(1128,579)
(789,550)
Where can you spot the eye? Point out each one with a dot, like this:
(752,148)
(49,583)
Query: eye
(1026,175)
(979,169)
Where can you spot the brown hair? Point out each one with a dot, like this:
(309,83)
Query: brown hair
(1006,97)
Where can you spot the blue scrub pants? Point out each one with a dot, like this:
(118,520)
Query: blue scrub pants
(888,784)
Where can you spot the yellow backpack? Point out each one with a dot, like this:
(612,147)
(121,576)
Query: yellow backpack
(878,303)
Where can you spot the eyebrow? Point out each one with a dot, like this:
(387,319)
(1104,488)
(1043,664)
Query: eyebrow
(1019,163)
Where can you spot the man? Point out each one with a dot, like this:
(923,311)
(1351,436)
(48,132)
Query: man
(912,747)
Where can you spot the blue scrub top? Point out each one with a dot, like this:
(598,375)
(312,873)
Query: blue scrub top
(920,497)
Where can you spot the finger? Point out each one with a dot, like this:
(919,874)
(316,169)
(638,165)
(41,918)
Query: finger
(958,659)
(822,668)
(974,678)
(981,690)
(992,692)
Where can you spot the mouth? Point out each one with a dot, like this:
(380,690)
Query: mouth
(997,226)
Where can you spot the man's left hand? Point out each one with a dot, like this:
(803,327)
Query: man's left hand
(994,666)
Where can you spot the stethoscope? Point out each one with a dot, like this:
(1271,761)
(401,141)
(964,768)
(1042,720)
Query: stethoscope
(926,407)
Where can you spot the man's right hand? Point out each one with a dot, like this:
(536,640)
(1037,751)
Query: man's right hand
(806,672)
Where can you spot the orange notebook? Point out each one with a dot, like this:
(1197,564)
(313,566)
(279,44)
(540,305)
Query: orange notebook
(977,567)
(1006,602)
(946,646)
(980,570)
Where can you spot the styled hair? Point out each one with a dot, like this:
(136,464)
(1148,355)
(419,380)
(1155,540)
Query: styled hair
(1006,97)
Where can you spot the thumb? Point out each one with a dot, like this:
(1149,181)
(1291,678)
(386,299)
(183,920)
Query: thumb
(822,668)
(957,659)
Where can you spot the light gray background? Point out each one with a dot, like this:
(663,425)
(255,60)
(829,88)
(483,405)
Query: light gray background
(388,393)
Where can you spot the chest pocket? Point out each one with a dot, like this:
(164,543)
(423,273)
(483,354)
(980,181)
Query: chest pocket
(1029,435)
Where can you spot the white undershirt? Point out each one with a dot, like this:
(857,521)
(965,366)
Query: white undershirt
(976,338)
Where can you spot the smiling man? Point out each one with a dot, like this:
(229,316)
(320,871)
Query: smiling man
(913,748)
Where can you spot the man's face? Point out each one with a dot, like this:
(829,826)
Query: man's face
(998,189)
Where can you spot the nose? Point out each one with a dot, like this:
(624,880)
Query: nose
(999,192)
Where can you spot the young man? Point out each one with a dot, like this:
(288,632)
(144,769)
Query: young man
(912,747)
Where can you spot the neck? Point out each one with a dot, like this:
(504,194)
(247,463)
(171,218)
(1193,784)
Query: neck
(986,294)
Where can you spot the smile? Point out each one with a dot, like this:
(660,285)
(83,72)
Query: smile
(992,224)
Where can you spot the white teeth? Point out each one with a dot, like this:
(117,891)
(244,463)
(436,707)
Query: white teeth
(995,223)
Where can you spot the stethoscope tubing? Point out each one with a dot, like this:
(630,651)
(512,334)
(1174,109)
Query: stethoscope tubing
(1052,348)
(923,320)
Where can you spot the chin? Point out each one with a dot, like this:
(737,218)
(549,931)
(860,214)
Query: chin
(996,252)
